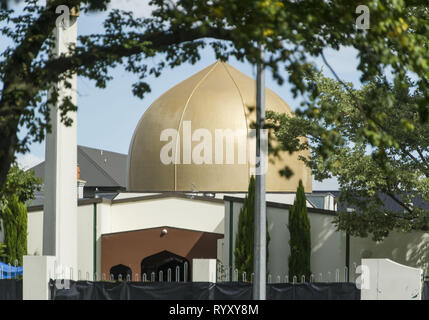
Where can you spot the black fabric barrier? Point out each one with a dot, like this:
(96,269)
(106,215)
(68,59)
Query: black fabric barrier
(85,290)
(11,289)
(426,290)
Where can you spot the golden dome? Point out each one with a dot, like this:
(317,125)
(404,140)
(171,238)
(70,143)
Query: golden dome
(217,97)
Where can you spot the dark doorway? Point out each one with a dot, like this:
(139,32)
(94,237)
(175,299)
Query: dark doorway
(165,261)
(120,272)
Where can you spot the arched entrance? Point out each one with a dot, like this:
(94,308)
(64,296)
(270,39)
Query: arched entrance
(120,271)
(163,261)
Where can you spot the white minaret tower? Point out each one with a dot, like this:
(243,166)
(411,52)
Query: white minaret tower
(60,183)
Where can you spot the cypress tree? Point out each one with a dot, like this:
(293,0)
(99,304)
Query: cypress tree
(300,237)
(243,252)
(2,251)
(15,230)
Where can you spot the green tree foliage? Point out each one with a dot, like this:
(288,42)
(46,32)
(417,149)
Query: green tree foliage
(15,230)
(292,33)
(19,188)
(243,252)
(3,254)
(300,237)
(367,174)
(21,183)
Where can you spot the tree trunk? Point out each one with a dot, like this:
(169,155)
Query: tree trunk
(8,144)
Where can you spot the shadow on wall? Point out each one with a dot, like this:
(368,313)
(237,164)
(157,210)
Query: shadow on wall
(411,249)
(418,251)
(327,245)
(326,232)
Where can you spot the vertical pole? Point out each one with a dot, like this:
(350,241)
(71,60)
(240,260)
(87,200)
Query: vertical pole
(348,255)
(60,182)
(94,240)
(231,231)
(259,260)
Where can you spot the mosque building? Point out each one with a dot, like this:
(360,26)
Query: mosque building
(176,196)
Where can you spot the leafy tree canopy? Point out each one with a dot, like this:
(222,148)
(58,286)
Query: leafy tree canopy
(292,32)
(367,174)
(21,183)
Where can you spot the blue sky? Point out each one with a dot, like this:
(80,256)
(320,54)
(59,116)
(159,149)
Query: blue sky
(107,117)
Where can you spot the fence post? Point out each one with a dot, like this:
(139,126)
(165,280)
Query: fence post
(185,272)
(177,274)
(169,275)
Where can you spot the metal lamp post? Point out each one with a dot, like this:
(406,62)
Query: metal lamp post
(259,256)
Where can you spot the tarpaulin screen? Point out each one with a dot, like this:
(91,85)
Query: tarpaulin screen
(11,289)
(103,290)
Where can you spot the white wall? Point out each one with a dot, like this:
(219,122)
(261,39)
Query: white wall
(175,212)
(328,246)
(37,271)
(85,237)
(329,202)
(410,249)
(35,233)
(204,270)
(85,241)
(135,215)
